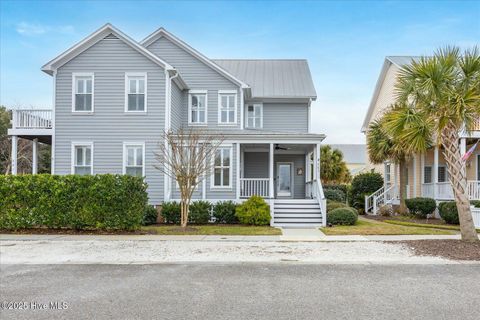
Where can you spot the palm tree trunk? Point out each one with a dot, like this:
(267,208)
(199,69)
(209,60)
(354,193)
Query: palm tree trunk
(402,209)
(458,180)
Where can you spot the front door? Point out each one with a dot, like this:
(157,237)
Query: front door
(284,178)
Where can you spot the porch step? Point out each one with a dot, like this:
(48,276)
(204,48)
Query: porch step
(297,212)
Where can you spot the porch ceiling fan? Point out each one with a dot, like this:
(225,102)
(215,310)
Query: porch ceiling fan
(277,147)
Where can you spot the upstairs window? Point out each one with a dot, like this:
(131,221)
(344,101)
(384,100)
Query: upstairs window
(254,116)
(136,85)
(222,168)
(82,158)
(83,92)
(197,107)
(227,107)
(133,159)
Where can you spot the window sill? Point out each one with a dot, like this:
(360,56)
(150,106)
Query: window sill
(227,124)
(137,113)
(198,124)
(82,113)
(221,188)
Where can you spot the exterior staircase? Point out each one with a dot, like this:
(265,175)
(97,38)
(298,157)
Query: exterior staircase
(297,213)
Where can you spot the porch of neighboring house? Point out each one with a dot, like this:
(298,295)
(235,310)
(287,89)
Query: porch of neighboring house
(35,125)
(285,175)
(427,176)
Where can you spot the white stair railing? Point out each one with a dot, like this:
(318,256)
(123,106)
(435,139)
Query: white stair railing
(380,197)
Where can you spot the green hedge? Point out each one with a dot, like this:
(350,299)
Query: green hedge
(362,185)
(342,216)
(224,212)
(200,212)
(109,202)
(254,211)
(335,195)
(332,205)
(421,207)
(448,211)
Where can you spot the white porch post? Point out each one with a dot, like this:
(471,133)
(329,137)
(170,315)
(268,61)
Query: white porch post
(35,156)
(422,172)
(435,172)
(415,176)
(270,174)
(317,161)
(463,146)
(14,154)
(238,158)
(393,166)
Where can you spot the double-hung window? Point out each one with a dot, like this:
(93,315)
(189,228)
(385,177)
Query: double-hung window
(227,107)
(427,174)
(254,116)
(136,92)
(82,92)
(197,107)
(442,174)
(134,159)
(222,168)
(82,158)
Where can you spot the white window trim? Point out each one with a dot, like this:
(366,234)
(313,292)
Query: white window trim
(220,94)
(72,158)
(190,93)
(135,74)
(261,115)
(74,86)
(124,158)
(212,177)
(478,166)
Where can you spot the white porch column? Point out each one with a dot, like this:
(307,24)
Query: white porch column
(393,167)
(14,154)
(317,161)
(422,173)
(415,176)
(435,172)
(270,172)
(463,146)
(238,158)
(35,156)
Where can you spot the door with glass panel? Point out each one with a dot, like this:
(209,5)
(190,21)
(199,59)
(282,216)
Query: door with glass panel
(284,179)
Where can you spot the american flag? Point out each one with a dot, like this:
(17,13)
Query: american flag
(469,152)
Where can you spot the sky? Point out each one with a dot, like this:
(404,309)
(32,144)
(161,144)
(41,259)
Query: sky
(345,42)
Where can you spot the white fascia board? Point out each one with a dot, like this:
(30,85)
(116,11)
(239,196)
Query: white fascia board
(96,36)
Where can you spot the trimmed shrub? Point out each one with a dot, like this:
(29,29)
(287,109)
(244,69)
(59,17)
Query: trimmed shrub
(108,202)
(342,216)
(150,215)
(200,212)
(475,203)
(448,211)
(335,195)
(171,212)
(421,207)
(224,212)
(254,211)
(385,210)
(342,191)
(332,205)
(364,184)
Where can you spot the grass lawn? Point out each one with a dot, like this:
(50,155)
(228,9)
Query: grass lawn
(372,227)
(424,225)
(224,230)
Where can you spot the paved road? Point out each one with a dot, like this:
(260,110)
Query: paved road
(244,291)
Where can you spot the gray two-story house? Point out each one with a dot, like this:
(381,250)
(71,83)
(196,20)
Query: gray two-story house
(113,98)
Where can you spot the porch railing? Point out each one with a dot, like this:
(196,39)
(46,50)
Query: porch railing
(254,186)
(31,119)
(444,191)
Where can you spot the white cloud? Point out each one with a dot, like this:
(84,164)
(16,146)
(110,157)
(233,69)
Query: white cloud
(32,29)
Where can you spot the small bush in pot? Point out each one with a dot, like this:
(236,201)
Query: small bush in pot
(200,212)
(334,194)
(150,215)
(421,207)
(254,211)
(448,211)
(171,212)
(224,212)
(342,216)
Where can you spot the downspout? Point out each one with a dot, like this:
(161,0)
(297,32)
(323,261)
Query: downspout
(52,153)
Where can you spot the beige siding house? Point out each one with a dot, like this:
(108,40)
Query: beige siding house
(427,173)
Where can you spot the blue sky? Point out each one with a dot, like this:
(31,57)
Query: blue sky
(345,42)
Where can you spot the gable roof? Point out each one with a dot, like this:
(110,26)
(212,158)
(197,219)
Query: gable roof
(273,78)
(398,61)
(96,36)
(161,32)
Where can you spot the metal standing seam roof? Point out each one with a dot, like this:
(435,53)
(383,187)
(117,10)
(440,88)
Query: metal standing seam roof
(402,60)
(273,78)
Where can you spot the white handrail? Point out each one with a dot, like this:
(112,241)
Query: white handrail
(254,186)
(31,119)
(318,194)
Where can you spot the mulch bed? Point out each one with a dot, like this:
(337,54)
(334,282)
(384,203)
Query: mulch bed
(449,249)
(72,231)
(408,219)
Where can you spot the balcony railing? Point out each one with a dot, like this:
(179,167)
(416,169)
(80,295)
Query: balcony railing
(31,119)
(444,191)
(254,186)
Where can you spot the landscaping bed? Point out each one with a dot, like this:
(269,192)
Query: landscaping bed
(213,229)
(371,227)
(450,249)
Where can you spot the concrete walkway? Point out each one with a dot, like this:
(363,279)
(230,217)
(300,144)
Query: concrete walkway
(291,235)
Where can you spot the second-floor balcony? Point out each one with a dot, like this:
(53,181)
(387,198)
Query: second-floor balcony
(32,123)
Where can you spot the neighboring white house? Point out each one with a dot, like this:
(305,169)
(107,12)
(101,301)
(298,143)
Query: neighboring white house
(113,96)
(355,157)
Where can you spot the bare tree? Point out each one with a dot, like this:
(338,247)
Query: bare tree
(186,156)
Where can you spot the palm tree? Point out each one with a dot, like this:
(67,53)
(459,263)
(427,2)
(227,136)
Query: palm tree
(382,146)
(445,91)
(333,167)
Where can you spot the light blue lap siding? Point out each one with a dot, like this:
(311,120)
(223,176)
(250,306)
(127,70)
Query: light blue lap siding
(256,165)
(179,106)
(198,76)
(285,117)
(109,126)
